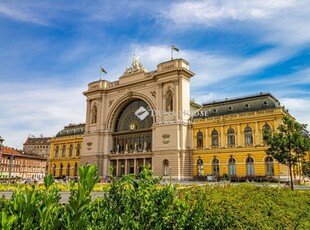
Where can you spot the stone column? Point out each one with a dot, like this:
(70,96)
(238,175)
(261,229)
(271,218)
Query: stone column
(239,135)
(176,100)
(87,115)
(222,137)
(257,136)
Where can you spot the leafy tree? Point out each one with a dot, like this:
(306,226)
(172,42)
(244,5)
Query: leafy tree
(287,145)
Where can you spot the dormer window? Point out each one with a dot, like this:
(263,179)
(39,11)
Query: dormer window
(230,108)
(265,103)
(247,106)
(214,110)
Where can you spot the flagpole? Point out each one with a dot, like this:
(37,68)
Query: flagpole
(171,52)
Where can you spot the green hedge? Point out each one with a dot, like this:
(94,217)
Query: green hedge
(144,204)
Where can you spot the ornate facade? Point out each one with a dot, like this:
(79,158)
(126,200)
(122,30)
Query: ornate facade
(37,145)
(229,138)
(136,121)
(65,152)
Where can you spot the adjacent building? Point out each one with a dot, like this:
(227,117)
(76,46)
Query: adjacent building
(21,165)
(228,137)
(65,151)
(37,145)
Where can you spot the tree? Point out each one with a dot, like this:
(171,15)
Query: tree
(287,145)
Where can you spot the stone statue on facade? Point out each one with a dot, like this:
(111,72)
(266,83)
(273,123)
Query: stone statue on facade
(136,66)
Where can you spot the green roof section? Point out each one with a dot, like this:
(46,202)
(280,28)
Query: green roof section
(72,129)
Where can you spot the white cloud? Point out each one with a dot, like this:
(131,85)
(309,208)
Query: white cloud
(38,108)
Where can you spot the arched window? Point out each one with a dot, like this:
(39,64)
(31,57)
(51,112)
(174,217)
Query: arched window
(60,169)
(269,166)
(94,115)
(56,151)
(200,167)
(166,167)
(169,101)
(266,128)
(232,166)
(249,166)
(54,170)
(70,150)
(133,128)
(248,135)
(78,149)
(63,151)
(199,139)
(68,170)
(231,137)
(215,166)
(75,169)
(215,138)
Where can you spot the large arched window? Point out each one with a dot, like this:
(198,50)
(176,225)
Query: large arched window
(248,135)
(166,167)
(249,166)
(269,166)
(231,137)
(75,169)
(199,139)
(266,128)
(78,149)
(70,150)
(54,170)
(94,115)
(61,169)
(232,166)
(68,170)
(215,138)
(200,167)
(63,151)
(56,151)
(132,132)
(215,166)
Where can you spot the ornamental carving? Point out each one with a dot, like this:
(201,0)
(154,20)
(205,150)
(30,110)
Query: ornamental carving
(136,66)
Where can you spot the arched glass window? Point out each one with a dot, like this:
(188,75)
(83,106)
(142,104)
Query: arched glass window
(56,151)
(248,135)
(60,169)
(63,151)
(199,139)
(94,115)
(215,166)
(200,167)
(166,167)
(169,101)
(249,166)
(266,128)
(68,170)
(232,166)
(78,149)
(215,138)
(133,128)
(54,170)
(231,137)
(75,169)
(70,150)
(269,166)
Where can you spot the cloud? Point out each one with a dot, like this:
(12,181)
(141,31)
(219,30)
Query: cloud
(37,108)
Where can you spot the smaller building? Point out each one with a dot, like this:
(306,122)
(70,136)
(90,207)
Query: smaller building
(21,165)
(37,145)
(65,151)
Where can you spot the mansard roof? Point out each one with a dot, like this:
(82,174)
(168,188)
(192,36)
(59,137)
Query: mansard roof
(257,102)
(38,141)
(72,129)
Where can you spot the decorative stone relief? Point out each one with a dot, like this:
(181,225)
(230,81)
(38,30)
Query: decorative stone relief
(136,66)
(89,145)
(110,102)
(166,138)
(153,93)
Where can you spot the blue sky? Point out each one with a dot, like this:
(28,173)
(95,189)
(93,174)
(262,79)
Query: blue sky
(51,50)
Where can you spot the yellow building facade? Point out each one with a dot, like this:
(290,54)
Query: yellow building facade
(65,151)
(228,138)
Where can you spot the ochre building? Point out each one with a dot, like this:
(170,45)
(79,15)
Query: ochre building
(65,151)
(228,137)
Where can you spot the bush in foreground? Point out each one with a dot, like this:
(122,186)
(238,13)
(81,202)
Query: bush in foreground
(144,204)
